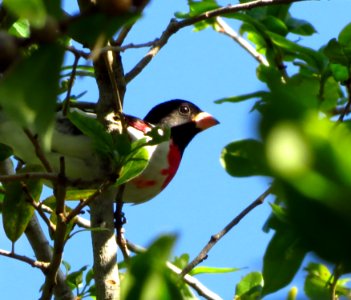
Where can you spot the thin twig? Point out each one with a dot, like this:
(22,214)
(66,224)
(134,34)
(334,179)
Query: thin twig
(66,102)
(38,151)
(227,30)
(119,222)
(29,175)
(201,289)
(216,237)
(77,210)
(175,25)
(34,263)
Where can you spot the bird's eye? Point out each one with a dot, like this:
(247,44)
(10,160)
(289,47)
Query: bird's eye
(184,109)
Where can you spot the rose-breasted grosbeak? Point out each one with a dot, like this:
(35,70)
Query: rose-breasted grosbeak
(83,163)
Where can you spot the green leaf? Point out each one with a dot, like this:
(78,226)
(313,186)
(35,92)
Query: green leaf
(317,282)
(148,277)
(275,25)
(282,260)
(312,57)
(73,195)
(197,8)
(28,92)
(301,27)
(249,287)
(75,279)
(244,158)
(336,53)
(92,128)
(330,94)
(89,276)
(344,37)
(20,28)
(88,29)
(32,10)
(212,270)
(17,210)
(135,163)
(181,261)
(340,72)
(241,98)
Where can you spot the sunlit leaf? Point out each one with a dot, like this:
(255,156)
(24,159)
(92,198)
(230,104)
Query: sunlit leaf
(249,287)
(212,270)
(20,28)
(244,158)
(241,98)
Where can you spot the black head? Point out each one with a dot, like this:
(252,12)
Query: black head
(183,117)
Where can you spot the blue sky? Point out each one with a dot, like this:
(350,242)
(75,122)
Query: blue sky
(202,198)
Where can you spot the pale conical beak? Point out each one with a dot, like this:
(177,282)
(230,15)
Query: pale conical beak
(204,120)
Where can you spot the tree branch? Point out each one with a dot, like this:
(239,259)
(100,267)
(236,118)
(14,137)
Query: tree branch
(60,234)
(175,25)
(216,237)
(227,30)
(104,246)
(34,263)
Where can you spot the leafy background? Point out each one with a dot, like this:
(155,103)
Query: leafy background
(201,67)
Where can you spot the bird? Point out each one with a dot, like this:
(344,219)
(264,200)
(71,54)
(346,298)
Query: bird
(84,165)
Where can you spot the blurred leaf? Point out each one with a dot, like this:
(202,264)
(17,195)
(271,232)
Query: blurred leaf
(275,25)
(212,270)
(317,281)
(181,261)
(336,53)
(292,295)
(282,260)
(17,210)
(32,10)
(28,93)
(340,72)
(312,57)
(89,276)
(300,27)
(244,158)
(98,27)
(20,28)
(147,277)
(249,287)
(5,152)
(330,93)
(344,37)
(197,8)
(241,98)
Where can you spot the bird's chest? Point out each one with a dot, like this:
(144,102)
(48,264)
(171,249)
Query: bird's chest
(163,164)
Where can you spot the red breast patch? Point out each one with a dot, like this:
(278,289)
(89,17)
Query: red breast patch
(173,158)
